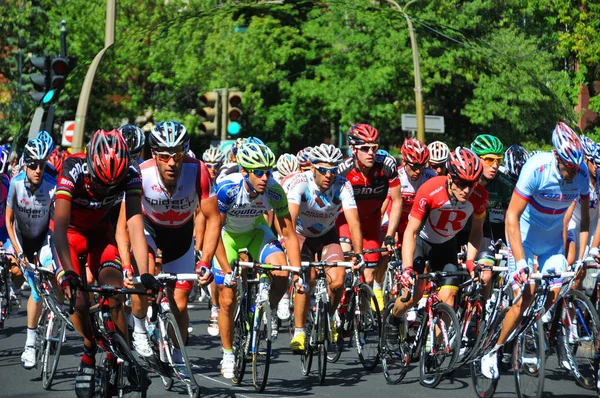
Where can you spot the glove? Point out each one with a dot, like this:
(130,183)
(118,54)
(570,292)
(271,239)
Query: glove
(203,268)
(471,265)
(360,261)
(300,285)
(389,241)
(197,255)
(70,279)
(408,277)
(522,274)
(127,271)
(228,279)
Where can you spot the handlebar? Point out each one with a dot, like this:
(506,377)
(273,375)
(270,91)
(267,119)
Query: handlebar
(345,264)
(268,267)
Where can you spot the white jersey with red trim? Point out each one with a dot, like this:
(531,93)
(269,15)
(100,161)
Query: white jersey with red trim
(175,210)
(441,217)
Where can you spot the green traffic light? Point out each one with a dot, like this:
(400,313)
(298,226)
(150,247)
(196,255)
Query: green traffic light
(234,128)
(48,97)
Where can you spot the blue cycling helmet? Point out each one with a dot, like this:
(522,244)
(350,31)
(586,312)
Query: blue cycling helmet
(250,140)
(382,152)
(36,149)
(589,147)
(597,155)
(47,138)
(3,159)
(567,145)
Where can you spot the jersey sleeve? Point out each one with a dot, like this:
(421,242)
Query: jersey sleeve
(295,188)
(347,196)
(70,176)
(204,187)
(422,204)
(480,201)
(226,193)
(529,180)
(133,186)
(277,199)
(11,194)
(391,170)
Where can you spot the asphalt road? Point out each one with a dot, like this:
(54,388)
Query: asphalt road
(346,378)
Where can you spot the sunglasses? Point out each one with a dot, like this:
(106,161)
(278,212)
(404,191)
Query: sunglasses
(166,156)
(568,165)
(367,148)
(213,165)
(490,160)
(462,185)
(260,172)
(416,167)
(437,165)
(324,170)
(36,165)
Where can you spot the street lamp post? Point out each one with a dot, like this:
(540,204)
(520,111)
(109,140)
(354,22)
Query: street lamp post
(416,69)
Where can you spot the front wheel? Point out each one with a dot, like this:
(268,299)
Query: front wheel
(241,327)
(261,353)
(176,353)
(442,345)
(529,361)
(367,331)
(322,341)
(395,351)
(483,386)
(51,347)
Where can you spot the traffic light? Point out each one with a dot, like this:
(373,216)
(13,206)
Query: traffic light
(209,113)
(60,70)
(41,83)
(234,113)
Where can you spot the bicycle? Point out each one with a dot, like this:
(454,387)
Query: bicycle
(165,336)
(252,322)
(436,339)
(118,360)
(355,317)
(6,294)
(318,326)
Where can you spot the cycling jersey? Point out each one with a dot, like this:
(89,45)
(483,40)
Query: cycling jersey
(31,209)
(174,210)
(243,212)
(90,201)
(371,190)
(225,171)
(575,221)
(318,210)
(4,185)
(441,217)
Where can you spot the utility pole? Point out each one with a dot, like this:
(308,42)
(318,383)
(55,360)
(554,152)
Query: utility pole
(86,89)
(420,112)
(224,111)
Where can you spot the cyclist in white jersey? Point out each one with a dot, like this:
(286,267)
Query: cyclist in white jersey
(286,164)
(244,198)
(27,218)
(315,198)
(173,186)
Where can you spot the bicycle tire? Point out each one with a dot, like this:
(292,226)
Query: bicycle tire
(40,336)
(322,335)
(394,360)
(367,329)
(335,348)
(183,372)
(307,355)
(529,361)
(167,382)
(432,367)
(52,349)
(241,328)
(580,351)
(140,386)
(261,355)
(484,387)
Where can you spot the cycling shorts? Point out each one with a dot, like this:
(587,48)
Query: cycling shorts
(174,242)
(551,259)
(441,257)
(97,246)
(371,236)
(322,248)
(260,242)
(181,265)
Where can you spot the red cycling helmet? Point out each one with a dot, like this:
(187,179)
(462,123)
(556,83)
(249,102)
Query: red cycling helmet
(414,152)
(56,160)
(107,157)
(360,134)
(464,165)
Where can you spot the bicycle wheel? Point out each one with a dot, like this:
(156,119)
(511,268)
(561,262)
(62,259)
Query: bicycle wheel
(367,331)
(529,361)
(322,341)
(395,352)
(442,345)
(51,347)
(261,355)
(334,349)
(483,386)
(307,356)
(173,341)
(137,380)
(579,337)
(241,327)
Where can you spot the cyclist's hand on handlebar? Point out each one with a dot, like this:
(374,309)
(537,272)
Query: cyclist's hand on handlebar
(205,274)
(69,282)
(228,280)
(389,242)
(359,262)
(408,277)
(299,284)
(522,274)
(128,277)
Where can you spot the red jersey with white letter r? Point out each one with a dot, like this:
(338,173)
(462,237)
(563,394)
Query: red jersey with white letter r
(441,217)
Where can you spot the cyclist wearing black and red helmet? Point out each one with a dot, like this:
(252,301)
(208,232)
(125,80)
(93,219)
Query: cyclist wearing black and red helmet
(441,209)
(371,176)
(88,186)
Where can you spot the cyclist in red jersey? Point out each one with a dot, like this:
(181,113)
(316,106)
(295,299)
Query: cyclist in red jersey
(441,209)
(88,186)
(371,176)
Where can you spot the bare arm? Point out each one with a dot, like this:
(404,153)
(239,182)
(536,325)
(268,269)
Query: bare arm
(135,225)
(62,220)
(584,232)
(355,231)
(396,211)
(10,228)
(291,239)
(475,237)
(122,236)
(409,242)
(513,230)
(212,234)
(568,215)
(199,229)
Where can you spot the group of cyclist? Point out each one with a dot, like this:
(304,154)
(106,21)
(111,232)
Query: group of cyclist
(107,215)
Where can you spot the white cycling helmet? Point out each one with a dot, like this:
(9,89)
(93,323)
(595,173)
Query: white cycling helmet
(438,152)
(213,155)
(325,153)
(287,164)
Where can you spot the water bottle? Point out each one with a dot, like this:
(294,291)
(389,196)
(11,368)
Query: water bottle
(264,287)
(153,332)
(164,304)
(348,279)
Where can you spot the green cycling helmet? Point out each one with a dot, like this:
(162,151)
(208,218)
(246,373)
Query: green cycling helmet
(255,156)
(485,144)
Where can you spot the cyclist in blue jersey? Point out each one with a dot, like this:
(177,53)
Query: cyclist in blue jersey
(548,184)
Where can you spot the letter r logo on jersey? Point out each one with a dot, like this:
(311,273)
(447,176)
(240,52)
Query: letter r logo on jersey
(449,221)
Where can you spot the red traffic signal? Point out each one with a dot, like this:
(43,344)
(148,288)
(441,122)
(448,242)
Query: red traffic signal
(233,111)
(209,112)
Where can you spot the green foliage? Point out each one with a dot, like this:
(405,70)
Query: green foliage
(308,69)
